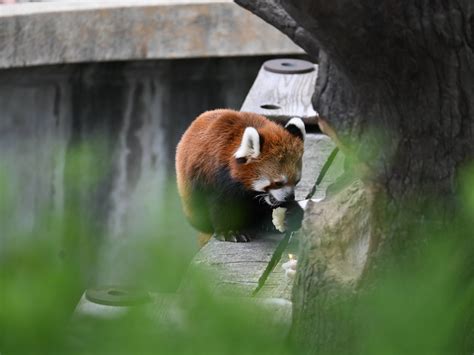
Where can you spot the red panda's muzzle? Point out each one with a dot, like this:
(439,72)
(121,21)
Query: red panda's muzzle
(277,197)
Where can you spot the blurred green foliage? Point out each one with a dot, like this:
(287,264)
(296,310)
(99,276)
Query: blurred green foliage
(423,307)
(424,303)
(45,270)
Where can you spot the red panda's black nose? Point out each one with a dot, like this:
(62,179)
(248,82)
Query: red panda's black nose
(290,197)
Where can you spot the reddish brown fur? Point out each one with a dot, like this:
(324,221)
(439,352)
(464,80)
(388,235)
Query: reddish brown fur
(212,140)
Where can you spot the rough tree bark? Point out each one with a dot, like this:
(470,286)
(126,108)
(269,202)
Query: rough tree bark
(396,84)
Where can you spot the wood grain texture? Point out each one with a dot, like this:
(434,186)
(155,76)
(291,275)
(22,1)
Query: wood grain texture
(290,94)
(317,149)
(236,267)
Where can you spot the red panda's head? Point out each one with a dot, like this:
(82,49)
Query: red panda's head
(269,160)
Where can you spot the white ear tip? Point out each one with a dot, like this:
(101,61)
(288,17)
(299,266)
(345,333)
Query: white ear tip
(297,122)
(250,144)
(251,132)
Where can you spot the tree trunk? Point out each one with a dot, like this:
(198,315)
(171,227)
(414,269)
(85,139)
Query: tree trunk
(396,85)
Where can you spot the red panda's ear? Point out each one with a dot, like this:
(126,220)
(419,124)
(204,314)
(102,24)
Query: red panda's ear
(249,146)
(296,127)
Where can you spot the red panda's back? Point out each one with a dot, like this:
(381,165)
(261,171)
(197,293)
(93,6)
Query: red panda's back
(208,144)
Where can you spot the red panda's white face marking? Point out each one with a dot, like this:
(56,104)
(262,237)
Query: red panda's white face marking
(261,184)
(275,192)
(278,196)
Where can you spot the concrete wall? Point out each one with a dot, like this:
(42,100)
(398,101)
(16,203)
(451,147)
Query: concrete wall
(132,112)
(126,77)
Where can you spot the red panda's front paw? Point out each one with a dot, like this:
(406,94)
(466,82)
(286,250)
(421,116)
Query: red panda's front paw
(294,216)
(232,236)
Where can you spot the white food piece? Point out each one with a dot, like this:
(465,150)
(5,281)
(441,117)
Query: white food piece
(303,203)
(279,213)
(278,218)
(290,268)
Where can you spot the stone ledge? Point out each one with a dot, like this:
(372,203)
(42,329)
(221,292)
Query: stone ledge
(57,33)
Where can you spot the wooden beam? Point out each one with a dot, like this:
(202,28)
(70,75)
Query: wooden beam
(280,96)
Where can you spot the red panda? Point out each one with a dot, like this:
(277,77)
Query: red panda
(234,167)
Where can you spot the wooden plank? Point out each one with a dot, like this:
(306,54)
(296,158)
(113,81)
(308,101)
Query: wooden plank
(280,96)
(317,148)
(278,284)
(236,267)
